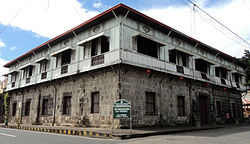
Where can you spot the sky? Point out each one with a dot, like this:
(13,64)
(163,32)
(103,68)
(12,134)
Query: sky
(25,24)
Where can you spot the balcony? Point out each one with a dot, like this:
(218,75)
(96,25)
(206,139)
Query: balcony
(180,69)
(44,75)
(13,84)
(112,57)
(27,80)
(137,59)
(96,60)
(64,69)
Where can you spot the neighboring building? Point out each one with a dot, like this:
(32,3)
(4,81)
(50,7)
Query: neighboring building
(169,77)
(246,104)
(3,84)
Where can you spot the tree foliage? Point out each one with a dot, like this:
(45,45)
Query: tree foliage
(6,106)
(246,60)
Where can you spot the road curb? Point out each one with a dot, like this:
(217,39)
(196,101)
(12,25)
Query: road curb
(106,135)
(61,131)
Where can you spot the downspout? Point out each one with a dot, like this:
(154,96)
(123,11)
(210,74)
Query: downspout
(119,72)
(54,104)
(38,107)
(160,99)
(22,108)
(160,88)
(120,47)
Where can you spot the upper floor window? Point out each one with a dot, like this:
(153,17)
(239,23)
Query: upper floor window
(98,46)
(178,57)
(28,71)
(43,66)
(66,57)
(237,77)
(221,72)
(14,76)
(202,66)
(147,46)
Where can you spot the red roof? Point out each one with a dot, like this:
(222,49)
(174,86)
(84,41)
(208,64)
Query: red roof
(121,9)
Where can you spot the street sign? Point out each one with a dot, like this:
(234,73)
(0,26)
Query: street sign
(121,109)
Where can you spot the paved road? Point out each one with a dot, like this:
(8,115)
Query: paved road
(232,135)
(13,136)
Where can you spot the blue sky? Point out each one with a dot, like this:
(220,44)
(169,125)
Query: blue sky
(31,23)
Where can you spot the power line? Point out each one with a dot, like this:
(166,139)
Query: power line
(243,40)
(18,12)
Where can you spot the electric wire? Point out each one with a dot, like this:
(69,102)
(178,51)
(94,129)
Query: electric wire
(217,25)
(18,12)
(243,40)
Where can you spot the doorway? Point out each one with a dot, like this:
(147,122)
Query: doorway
(204,110)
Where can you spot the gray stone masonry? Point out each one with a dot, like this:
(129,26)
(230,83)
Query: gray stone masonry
(133,85)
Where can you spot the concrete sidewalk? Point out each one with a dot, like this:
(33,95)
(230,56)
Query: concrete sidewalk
(109,133)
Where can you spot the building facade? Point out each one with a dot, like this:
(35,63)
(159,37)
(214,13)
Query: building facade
(246,104)
(170,78)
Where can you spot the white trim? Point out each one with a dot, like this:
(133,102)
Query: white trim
(61,50)
(40,59)
(90,38)
(24,66)
(151,38)
(12,71)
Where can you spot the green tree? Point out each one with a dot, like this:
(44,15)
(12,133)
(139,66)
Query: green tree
(6,107)
(246,60)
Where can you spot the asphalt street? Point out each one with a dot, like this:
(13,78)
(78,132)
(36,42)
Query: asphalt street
(229,135)
(14,136)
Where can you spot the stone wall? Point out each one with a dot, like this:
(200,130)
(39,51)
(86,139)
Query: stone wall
(79,87)
(134,83)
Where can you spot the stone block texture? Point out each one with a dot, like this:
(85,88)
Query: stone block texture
(124,82)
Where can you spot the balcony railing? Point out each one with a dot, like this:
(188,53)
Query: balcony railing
(13,84)
(44,75)
(96,60)
(27,80)
(137,59)
(112,57)
(180,69)
(64,69)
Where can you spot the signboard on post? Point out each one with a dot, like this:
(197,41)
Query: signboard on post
(121,109)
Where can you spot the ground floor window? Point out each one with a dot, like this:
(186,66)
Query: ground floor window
(150,103)
(67,105)
(218,108)
(181,106)
(27,108)
(14,109)
(95,96)
(45,107)
(233,109)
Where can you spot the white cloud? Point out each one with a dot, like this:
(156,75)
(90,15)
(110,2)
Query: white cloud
(13,48)
(2,44)
(3,70)
(97,5)
(43,18)
(234,15)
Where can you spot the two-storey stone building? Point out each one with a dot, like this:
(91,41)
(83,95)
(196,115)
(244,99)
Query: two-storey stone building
(170,78)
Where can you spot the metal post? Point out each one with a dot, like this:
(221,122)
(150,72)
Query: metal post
(130,117)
